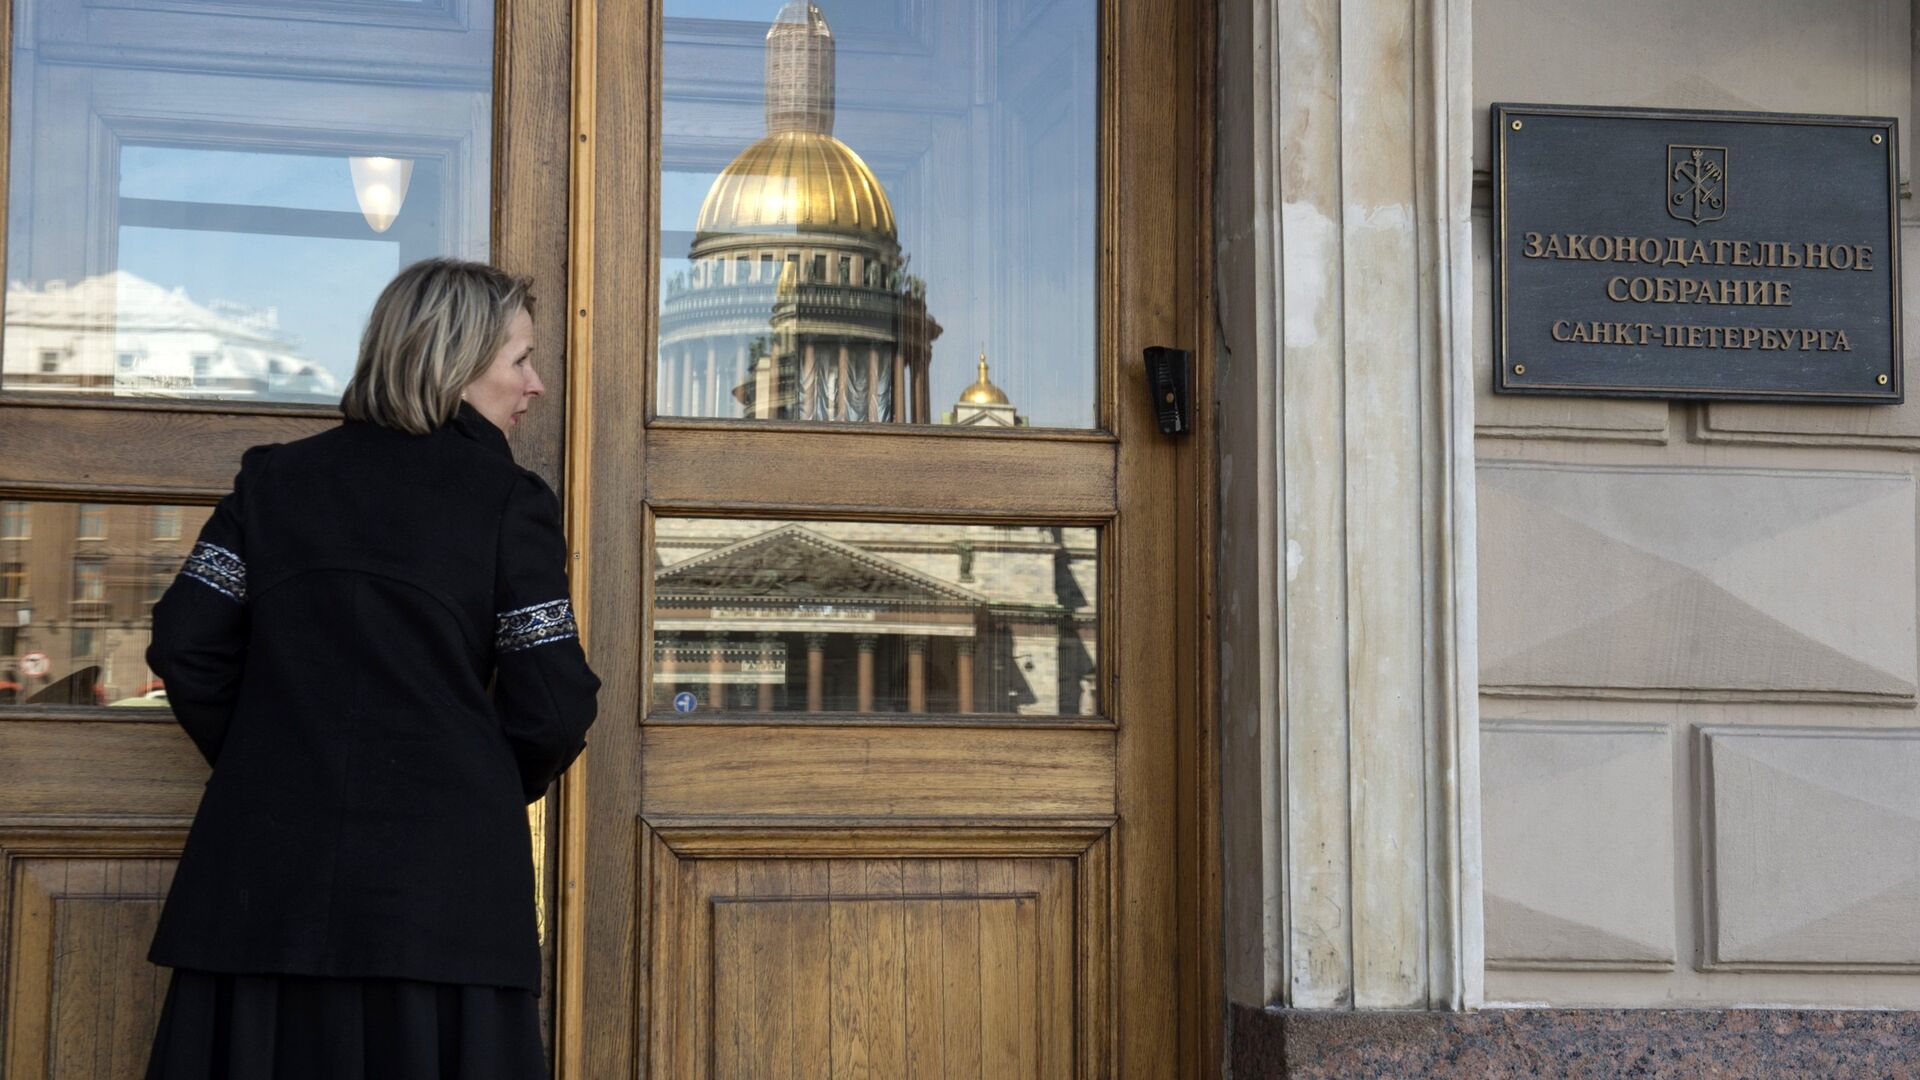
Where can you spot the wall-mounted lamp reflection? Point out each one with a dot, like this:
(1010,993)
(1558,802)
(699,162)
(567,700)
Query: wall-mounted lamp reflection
(380,186)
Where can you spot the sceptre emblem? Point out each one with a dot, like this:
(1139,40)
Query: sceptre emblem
(1697,182)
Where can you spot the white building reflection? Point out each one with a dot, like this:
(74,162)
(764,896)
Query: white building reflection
(117,333)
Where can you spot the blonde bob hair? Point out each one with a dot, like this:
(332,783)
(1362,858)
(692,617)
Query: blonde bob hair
(433,331)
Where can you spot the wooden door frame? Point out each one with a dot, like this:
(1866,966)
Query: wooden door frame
(616,86)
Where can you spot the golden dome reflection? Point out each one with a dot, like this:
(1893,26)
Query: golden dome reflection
(983,392)
(799,181)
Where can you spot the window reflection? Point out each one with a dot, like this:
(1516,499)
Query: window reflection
(206,198)
(864,617)
(879,210)
(76,613)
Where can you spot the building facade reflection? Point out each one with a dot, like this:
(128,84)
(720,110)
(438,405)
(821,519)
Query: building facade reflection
(873,617)
(77,586)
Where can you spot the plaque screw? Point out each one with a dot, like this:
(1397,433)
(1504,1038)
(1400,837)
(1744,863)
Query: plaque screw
(1882,380)
(1516,125)
(1519,369)
(1876,140)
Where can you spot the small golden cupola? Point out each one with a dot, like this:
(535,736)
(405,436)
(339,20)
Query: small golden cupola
(984,404)
(983,392)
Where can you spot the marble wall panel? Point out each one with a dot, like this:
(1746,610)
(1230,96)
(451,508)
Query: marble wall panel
(1811,847)
(1578,844)
(1673,579)
(1768,55)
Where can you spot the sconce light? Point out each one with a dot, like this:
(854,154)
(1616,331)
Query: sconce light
(380,186)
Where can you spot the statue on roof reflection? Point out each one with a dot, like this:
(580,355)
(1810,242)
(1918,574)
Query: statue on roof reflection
(798,305)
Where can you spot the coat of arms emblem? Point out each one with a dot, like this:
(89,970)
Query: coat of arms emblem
(1697,182)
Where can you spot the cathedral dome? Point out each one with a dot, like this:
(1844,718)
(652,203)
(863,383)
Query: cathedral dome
(797,181)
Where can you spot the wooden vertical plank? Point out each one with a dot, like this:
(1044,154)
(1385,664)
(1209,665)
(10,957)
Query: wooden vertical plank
(1151,255)
(1028,877)
(73,982)
(886,951)
(531,158)
(667,884)
(811,990)
(809,953)
(731,1002)
(769,1047)
(1100,1038)
(960,967)
(1028,1005)
(612,255)
(1001,1029)
(29,950)
(850,918)
(134,1009)
(921,937)
(1057,977)
(697,1045)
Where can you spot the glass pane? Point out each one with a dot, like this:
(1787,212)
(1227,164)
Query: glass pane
(872,617)
(879,210)
(77,587)
(205,199)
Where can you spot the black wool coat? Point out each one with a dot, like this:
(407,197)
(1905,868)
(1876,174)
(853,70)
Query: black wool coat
(329,646)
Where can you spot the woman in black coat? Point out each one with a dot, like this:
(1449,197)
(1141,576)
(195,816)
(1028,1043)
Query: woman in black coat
(373,646)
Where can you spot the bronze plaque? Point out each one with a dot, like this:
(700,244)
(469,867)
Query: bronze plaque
(1720,255)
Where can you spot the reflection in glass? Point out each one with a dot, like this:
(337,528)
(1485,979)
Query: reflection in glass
(206,198)
(886,217)
(867,617)
(77,587)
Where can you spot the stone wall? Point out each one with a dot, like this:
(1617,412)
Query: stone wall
(1700,755)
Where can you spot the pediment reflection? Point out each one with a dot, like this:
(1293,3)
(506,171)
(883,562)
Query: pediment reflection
(859,617)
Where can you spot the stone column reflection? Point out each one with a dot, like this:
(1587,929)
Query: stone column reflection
(917,674)
(665,673)
(816,672)
(963,672)
(716,667)
(865,644)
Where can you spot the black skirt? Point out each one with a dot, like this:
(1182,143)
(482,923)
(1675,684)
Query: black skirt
(295,1027)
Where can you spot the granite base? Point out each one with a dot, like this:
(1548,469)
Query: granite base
(1575,1044)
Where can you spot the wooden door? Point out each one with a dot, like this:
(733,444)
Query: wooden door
(897,769)
(150,144)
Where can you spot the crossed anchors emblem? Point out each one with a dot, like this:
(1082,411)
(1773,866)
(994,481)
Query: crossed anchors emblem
(1697,183)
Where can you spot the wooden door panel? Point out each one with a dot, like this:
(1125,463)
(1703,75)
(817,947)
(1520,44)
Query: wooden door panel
(876,772)
(81,999)
(862,965)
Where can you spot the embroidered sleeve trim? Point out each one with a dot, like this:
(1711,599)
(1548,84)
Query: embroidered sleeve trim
(219,569)
(540,624)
